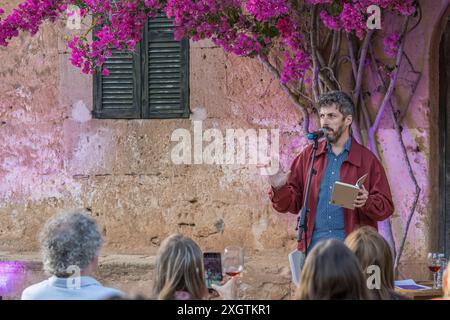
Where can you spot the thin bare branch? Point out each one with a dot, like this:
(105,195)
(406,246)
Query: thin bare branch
(374,64)
(362,63)
(357,132)
(413,178)
(320,59)
(344,58)
(333,48)
(358,76)
(394,77)
(417,191)
(326,80)
(332,76)
(335,53)
(294,98)
(355,125)
(419,12)
(396,123)
(363,105)
(330,33)
(300,93)
(372,132)
(315,84)
(352,56)
(321,87)
(339,47)
(410,63)
(413,89)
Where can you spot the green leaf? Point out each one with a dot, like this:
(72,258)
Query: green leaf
(272,32)
(267,30)
(335,8)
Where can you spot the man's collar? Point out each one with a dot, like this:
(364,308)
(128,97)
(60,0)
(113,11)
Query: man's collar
(347,145)
(354,151)
(63,282)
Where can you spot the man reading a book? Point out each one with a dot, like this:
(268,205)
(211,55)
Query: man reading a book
(339,157)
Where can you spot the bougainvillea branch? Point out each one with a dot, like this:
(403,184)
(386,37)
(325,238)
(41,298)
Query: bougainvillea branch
(245,28)
(393,76)
(295,99)
(397,126)
(315,81)
(403,112)
(362,65)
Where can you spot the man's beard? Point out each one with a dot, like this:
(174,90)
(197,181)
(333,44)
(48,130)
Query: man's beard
(337,134)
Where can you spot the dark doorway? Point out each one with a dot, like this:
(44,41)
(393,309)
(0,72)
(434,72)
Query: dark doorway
(444,144)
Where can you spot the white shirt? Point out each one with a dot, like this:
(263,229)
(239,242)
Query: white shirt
(55,288)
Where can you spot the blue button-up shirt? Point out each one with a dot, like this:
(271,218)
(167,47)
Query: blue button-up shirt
(329,222)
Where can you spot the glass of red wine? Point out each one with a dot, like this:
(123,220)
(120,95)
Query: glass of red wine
(233,261)
(434,264)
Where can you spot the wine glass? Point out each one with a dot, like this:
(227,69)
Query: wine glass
(434,264)
(233,260)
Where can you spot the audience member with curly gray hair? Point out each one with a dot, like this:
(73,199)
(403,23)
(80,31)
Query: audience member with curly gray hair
(70,245)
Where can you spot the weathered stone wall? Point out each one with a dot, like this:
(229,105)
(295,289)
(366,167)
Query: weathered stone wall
(55,157)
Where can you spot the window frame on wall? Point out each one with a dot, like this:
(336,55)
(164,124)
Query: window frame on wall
(144,84)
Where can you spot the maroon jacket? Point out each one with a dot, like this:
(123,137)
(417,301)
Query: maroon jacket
(360,161)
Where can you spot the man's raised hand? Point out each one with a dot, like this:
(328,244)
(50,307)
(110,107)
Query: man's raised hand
(279,179)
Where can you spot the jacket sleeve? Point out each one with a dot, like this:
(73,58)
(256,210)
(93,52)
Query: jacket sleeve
(289,197)
(379,205)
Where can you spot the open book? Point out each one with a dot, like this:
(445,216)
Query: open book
(410,284)
(296,259)
(344,194)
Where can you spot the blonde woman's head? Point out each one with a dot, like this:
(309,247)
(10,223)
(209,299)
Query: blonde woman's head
(332,272)
(179,267)
(372,249)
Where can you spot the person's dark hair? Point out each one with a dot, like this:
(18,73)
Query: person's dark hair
(332,272)
(343,102)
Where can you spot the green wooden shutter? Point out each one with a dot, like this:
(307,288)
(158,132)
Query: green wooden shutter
(166,82)
(118,95)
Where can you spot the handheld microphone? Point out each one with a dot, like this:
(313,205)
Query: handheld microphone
(317,134)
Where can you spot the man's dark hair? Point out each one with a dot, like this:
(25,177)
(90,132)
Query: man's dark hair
(343,102)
